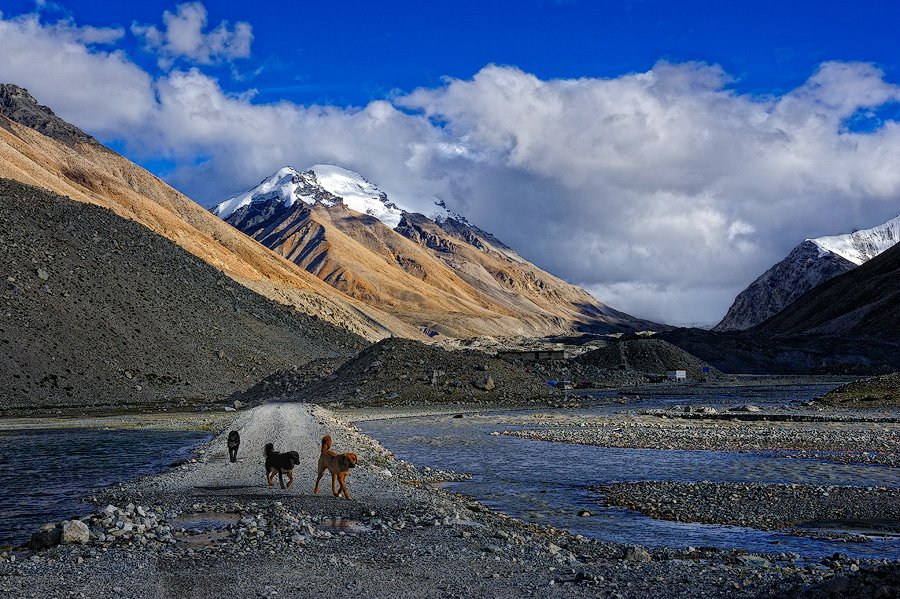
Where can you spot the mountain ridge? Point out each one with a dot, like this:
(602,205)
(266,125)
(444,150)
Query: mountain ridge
(808,265)
(440,272)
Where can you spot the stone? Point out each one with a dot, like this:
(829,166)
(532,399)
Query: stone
(485,383)
(584,513)
(43,274)
(754,561)
(45,538)
(75,531)
(238,404)
(637,554)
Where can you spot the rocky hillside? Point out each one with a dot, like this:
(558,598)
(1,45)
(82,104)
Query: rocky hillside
(99,311)
(644,355)
(803,269)
(403,372)
(864,302)
(39,149)
(437,272)
(807,266)
(879,391)
(847,325)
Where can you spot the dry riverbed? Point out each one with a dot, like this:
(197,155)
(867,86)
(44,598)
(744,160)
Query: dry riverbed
(213,528)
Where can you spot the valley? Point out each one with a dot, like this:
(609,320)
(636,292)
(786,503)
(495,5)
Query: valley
(515,435)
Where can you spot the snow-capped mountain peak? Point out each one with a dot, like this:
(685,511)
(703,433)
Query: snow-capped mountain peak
(287,185)
(861,246)
(324,184)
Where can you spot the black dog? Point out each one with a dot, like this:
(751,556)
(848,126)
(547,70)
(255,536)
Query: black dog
(234,441)
(280,463)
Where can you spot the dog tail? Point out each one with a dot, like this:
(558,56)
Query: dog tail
(326,443)
(270,448)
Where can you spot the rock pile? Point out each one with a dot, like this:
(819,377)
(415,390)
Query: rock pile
(134,525)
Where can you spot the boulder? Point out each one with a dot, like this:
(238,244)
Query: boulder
(485,383)
(637,554)
(75,531)
(46,538)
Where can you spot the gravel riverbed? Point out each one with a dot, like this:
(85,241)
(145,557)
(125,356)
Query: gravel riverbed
(212,528)
(838,441)
(759,505)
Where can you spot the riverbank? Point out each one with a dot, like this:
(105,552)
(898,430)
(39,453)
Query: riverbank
(760,505)
(836,440)
(393,539)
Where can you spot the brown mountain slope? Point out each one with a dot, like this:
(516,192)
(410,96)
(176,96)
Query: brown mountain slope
(98,311)
(448,277)
(73,164)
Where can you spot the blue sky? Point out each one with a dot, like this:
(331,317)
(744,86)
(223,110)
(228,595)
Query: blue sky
(661,154)
(351,52)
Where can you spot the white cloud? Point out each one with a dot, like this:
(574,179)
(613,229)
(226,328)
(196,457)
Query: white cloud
(183,37)
(101,91)
(664,192)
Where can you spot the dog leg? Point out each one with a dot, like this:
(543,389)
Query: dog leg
(343,480)
(290,474)
(333,479)
(270,477)
(318,478)
(281,478)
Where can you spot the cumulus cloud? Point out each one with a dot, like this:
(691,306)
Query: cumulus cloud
(101,91)
(183,37)
(663,192)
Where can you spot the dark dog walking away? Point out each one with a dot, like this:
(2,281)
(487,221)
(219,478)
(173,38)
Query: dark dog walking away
(234,441)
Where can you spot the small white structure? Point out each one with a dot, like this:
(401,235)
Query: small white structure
(676,375)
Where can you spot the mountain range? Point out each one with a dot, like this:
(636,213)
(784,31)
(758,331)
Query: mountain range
(437,272)
(807,266)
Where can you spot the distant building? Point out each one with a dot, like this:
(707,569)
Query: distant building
(541,355)
(676,375)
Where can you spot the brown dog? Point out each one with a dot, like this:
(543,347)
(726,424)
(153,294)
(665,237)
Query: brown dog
(338,464)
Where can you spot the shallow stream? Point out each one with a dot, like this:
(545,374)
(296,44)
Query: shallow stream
(44,472)
(549,483)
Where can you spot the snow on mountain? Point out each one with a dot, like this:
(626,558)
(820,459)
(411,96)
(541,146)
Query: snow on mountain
(358,193)
(861,246)
(440,213)
(289,185)
(807,266)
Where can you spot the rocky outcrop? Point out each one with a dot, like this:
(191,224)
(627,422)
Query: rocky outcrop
(18,105)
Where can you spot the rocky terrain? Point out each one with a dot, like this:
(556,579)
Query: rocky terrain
(89,299)
(211,528)
(764,506)
(651,356)
(848,442)
(876,392)
(401,372)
